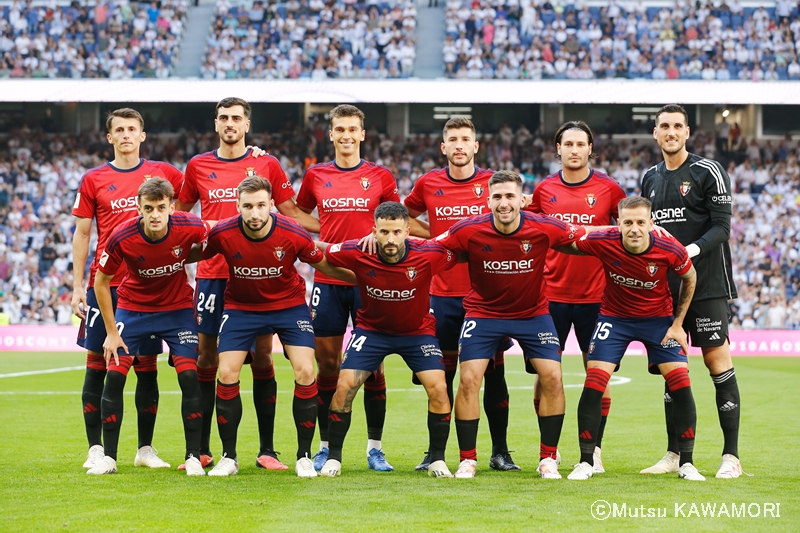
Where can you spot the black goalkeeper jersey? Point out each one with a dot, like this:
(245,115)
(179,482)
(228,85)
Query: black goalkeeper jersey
(693,203)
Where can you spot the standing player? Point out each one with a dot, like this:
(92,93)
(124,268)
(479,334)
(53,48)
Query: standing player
(637,305)
(155,247)
(346,192)
(394,318)
(691,199)
(506,251)
(212,178)
(581,195)
(107,194)
(265,295)
(449,195)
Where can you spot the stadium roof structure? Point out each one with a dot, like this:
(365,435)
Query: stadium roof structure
(404,91)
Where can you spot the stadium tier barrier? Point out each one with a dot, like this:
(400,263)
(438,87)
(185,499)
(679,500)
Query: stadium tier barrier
(743,342)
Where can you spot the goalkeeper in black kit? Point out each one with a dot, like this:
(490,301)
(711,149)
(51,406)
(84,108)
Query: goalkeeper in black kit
(691,199)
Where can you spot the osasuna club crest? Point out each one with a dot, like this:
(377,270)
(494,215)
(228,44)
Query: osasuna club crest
(250,172)
(411,273)
(525,246)
(478,190)
(364,183)
(652,268)
(685,188)
(177,251)
(279,253)
(591,200)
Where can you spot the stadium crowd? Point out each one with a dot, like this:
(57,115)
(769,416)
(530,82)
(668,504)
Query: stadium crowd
(107,39)
(39,174)
(540,39)
(313,39)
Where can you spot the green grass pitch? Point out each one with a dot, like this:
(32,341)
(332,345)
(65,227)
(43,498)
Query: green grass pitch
(44,488)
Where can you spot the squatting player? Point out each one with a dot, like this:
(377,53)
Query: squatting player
(108,194)
(345,192)
(212,178)
(394,318)
(265,294)
(154,301)
(691,199)
(449,195)
(506,253)
(577,194)
(637,306)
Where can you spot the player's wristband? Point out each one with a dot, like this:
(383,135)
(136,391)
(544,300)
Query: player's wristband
(693,250)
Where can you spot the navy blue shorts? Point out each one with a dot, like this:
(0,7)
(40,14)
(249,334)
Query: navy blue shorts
(240,329)
(536,335)
(176,328)
(209,301)
(613,334)
(367,349)
(582,316)
(332,306)
(92,332)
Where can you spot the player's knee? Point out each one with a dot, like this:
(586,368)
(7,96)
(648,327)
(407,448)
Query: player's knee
(437,394)
(229,373)
(550,381)
(304,372)
(207,357)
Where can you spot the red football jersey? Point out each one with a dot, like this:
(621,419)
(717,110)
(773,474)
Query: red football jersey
(214,181)
(636,283)
(156,278)
(507,271)
(110,196)
(592,202)
(447,201)
(395,297)
(262,276)
(346,200)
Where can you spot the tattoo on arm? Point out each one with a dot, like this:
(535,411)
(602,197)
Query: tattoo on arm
(360,377)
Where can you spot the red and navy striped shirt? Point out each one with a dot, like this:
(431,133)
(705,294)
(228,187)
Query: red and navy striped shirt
(156,279)
(262,272)
(395,297)
(346,199)
(506,271)
(636,284)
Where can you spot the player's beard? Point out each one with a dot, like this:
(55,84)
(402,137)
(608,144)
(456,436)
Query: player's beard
(466,162)
(398,251)
(235,140)
(249,225)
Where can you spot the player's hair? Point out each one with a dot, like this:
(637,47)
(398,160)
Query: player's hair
(505,176)
(232,101)
(391,211)
(632,202)
(574,125)
(253,184)
(346,110)
(123,112)
(673,108)
(457,123)
(156,189)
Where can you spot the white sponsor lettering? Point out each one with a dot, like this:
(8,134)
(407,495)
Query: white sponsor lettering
(259,272)
(721,199)
(231,193)
(575,218)
(459,210)
(338,203)
(165,270)
(633,282)
(383,294)
(124,203)
(506,266)
(669,213)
